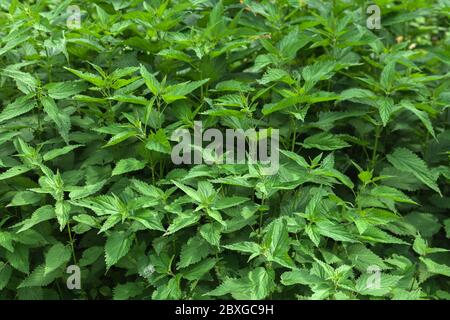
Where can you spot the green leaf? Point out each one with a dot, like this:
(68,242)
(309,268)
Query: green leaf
(273,74)
(282,104)
(256,286)
(385,108)
(334,231)
(363,258)
(39,278)
(229,202)
(422,115)
(301,276)
(182,221)
(117,246)
(188,190)
(5,274)
(436,268)
(158,142)
(246,246)
(101,205)
(59,117)
(277,241)
(197,271)
(90,255)
(87,190)
(297,158)
(377,235)
(211,232)
(19,259)
(128,165)
(57,256)
(64,90)
(356,93)
(150,81)
(330,172)
(194,250)
(110,222)
(405,160)
(291,43)
(6,241)
(233,85)
(52,154)
(22,198)
(130,99)
(324,141)
(92,78)
(426,224)
(25,81)
(320,70)
(120,137)
(19,107)
(447,227)
(149,219)
(86,219)
(175,55)
(89,99)
(44,213)
(14,42)
(391,193)
(181,90)
(368,285)
(87,43)
(128,290)
(261,283)
(62,209)
(147,189)
(388,75)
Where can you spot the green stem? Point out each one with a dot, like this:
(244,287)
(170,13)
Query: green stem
(59,290)
(71,243)
(294,136)
(261,218)
(374,153)
(152,165)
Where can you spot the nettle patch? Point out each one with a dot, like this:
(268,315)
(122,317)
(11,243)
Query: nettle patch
(93,207)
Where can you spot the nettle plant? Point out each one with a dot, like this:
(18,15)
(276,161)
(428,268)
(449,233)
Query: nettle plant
(91,92)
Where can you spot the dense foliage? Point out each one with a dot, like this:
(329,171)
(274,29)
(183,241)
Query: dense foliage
(86,176)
